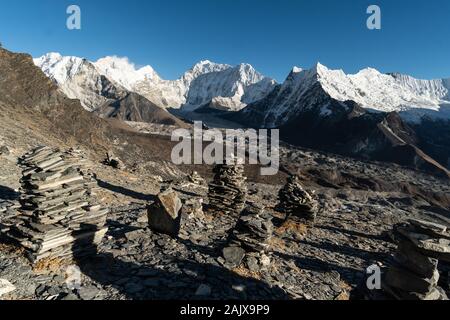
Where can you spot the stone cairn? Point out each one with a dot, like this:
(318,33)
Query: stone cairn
(413,273)
(250,235)
(58,216)
(228,190)
(196,178)
(296,202)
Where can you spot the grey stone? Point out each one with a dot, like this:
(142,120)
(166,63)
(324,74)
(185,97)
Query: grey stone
(4,151)
(233,255)
(164,214)
(203,290)
(6,287)
(252,263)
(70,297)
(88,293)
(409,282)
(410,258)
(133,235)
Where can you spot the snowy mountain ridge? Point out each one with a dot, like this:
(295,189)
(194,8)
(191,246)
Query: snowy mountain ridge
(79,79)
(228,87)
(371,89)
(232,88)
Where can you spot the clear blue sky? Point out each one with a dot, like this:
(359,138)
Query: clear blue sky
(272,35)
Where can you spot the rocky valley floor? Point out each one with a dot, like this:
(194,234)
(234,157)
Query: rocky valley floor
(359,202)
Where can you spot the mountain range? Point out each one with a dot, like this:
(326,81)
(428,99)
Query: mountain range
(227,87)
(388,117)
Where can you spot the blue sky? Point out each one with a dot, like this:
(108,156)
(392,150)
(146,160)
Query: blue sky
(272,35)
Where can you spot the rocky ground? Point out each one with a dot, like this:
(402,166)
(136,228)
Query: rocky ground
(359,202)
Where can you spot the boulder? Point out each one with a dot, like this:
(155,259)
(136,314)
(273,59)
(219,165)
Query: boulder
(164,214)
(233,255)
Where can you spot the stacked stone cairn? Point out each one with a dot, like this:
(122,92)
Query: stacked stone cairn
(196,178)
(251,234)
(228,190)
(58,217)
(296,202)
(413,273)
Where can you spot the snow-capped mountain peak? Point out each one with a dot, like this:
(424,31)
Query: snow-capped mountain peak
(125,73)
(383,92)
(229,88)
(296,69)
(58,67)
(233,87)
(369,88)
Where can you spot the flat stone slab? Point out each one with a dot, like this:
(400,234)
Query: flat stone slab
(6,287)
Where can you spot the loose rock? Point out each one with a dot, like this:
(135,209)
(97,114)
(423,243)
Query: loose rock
(164,214)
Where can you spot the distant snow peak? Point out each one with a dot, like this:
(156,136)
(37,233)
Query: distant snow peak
(296,69)
(222,84)
(230,88)
(58,67)
(124,72)
(369,88)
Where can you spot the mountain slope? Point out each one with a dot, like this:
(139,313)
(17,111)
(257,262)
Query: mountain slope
(229,88)
(372,90)
(308,115)
(80,79)
(233,87)
(34,100)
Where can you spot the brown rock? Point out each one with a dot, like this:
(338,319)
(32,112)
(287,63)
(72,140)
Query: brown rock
(164,214)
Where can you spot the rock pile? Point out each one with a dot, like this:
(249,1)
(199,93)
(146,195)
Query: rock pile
(250,235)
(197,179)
(58,216)
(228,191)
(164,215)
(414,274)
(296,202)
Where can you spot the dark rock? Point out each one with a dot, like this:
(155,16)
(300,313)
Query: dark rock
(164,214)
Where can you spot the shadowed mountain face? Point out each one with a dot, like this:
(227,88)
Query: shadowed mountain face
(32,101)
(29,94)
(318,121)
(79,79)
(134,107)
